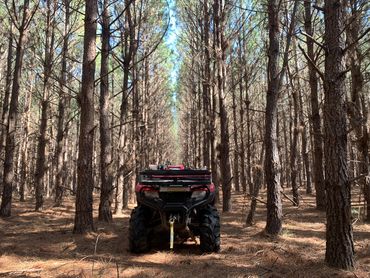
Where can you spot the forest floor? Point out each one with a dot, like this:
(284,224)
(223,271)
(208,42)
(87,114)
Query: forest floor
(41,244)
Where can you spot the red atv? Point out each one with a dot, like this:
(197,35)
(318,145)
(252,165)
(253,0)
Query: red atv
(176,200)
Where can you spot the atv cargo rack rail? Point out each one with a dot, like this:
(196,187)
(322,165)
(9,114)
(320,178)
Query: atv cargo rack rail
(175,177)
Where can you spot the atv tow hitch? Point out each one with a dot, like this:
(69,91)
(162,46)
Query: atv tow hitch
(172,221)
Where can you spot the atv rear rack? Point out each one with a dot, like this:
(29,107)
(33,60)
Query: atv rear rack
(175,177)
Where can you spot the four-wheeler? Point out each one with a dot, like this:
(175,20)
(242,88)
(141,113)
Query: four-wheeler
(177,201)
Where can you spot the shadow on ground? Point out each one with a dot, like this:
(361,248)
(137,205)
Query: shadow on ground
(41,244)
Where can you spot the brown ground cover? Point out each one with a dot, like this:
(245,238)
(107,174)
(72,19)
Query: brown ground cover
(41,244)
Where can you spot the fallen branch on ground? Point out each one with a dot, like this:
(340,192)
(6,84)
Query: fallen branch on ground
(20,272)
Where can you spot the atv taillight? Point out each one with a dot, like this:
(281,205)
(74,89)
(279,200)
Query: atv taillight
(199,192)
(210,188)
(148,191)
(141,187)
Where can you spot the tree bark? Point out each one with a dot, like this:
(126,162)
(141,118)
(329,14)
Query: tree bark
(318,174)
(206,88)
(106,175)
(214,142)
(224,147)
(236,147)
(85,182)
(24,163)
(293,149)
(249,144)
(272,164)
(128,37)
(358,107)
(8,177)
(42,142)
(305,156)
(243,178)
(61,136)
(8,85)
(339,237)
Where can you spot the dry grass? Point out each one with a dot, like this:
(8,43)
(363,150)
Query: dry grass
(34,244)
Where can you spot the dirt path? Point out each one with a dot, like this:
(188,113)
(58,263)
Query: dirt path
(36,244)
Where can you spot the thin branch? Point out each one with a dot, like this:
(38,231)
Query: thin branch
(315,41)
(357,178)
(312,63)
(321,9)
(286,196)
(357,40)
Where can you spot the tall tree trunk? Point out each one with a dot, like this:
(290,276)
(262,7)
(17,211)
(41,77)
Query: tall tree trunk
(275,79)
(318,174)
(293,149)
(224,147)
(85,182)
(8,177)
(5,104)
(106,174)
(128,37)
(8,84)
(249,145)
(61,136)
(24,148)
(243,178)
(339,237)
(214,142)
(358,110)
(305,156)
(41,164)
(236,147)
(135,135)
(40,160)
(206,88)
(272,163)
(285,171)
(199,123)
(302,127)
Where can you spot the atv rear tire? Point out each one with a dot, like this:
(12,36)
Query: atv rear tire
(138,231)
(209,230)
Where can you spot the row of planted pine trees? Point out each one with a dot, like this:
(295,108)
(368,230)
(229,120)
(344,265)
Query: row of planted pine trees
(269,93)
(85,100)
(280,86)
